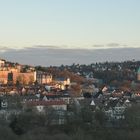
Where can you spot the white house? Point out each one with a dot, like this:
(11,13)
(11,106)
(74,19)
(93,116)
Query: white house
(62,83)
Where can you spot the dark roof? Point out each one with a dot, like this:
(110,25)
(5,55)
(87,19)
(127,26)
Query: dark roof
(61,79)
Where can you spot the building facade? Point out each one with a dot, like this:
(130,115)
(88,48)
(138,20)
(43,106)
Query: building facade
(43,77)
(24,78)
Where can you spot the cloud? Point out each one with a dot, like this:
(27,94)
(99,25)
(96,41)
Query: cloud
(113,45)
(57,56)
(43,47)
(109,45)
(98,45)
(4,49)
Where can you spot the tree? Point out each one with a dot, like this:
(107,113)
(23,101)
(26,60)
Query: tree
(100,117)
(132,117)
(76,89)
(7,134)
(26,121)
(86,115)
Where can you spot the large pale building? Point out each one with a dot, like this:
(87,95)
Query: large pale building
(24,78)
(11,72)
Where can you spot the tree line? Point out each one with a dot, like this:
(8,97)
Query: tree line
(81,123)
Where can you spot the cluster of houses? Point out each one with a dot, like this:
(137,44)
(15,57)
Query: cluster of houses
(48,93)
(112,103)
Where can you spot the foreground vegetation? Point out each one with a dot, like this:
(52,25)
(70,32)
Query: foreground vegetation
(82,124)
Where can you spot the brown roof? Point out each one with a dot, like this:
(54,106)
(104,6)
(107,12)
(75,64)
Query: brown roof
(45,103)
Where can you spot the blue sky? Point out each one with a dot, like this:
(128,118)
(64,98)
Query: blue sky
(70,23)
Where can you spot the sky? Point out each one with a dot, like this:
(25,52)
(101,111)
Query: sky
(70,23)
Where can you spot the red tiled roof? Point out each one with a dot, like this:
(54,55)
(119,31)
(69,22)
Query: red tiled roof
(45,103)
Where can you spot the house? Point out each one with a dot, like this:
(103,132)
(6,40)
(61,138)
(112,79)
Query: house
(88,89)
(40,105)
(92,103)
(2,62)
(116,112)
(4,104)
(62,83)
(66,98)
(55,108)
(43,77)
(6,114)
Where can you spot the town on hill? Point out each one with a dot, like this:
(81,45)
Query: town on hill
(73,100)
